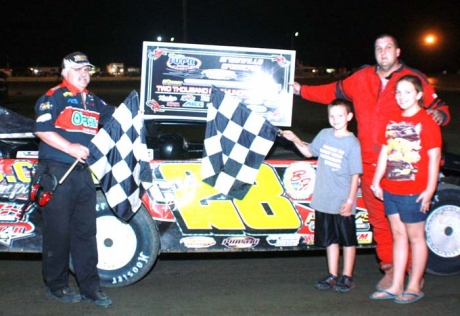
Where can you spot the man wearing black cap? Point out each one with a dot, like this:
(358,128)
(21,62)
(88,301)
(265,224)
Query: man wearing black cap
(66,119)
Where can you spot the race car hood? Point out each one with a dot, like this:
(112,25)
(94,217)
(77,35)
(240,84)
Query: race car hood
(14,125)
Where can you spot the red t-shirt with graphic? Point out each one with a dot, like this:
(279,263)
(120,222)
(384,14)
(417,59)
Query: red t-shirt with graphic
(408,140)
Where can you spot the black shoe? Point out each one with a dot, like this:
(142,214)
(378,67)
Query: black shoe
(328,283)
(345,284)
(99,298)
(66,295)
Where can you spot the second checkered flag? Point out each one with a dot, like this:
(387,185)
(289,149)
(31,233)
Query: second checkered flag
(236,143)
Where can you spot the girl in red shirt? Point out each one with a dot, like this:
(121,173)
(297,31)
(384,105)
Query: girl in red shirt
(406,179)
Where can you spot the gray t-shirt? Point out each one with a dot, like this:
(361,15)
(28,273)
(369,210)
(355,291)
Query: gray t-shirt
(338,160)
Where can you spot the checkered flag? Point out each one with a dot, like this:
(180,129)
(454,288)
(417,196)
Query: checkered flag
(236,143)
(119,159)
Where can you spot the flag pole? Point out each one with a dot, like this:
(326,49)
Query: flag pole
(68,171)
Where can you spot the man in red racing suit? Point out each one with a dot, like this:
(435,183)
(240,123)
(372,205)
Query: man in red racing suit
(372,91)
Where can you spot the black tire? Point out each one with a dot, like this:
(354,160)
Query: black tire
(443,232)
(127,251)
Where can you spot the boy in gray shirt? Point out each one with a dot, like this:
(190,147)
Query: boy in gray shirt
(334,195)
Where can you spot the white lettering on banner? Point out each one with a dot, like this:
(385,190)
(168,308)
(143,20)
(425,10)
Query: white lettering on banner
(241,67)
(193,90)
(161,88)
(236,60)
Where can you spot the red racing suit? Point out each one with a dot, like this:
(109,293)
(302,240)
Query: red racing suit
(373,106)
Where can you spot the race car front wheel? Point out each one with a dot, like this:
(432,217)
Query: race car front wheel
(443,232)
(127,251)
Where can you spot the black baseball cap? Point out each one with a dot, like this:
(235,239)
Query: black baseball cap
(76,60)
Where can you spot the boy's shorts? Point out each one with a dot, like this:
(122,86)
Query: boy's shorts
(335,229)
(405,206)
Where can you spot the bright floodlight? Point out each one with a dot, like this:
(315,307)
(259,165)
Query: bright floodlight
(430,39)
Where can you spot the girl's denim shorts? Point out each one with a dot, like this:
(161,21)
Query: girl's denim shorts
(404,205)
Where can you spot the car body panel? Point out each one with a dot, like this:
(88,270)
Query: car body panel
(190,214)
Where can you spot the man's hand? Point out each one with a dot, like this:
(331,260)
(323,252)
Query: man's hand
(296,86)
(78,151)
(438,117)
(377,190)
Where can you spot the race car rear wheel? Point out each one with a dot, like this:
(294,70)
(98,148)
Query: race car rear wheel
(443,232)
(127,251)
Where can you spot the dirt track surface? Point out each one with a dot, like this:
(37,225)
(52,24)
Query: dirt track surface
(239,285)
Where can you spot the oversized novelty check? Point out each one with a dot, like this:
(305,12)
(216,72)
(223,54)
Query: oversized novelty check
(177,79)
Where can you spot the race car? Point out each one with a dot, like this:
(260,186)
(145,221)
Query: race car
(181,214)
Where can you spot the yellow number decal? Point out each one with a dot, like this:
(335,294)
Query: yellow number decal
(22,172)
(202,209)
(195,209)
(265,208)
(22,169)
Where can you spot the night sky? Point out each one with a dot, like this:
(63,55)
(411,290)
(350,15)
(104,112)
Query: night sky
(331,33)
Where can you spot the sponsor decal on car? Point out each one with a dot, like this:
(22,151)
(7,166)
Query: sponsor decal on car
(240,242)
(15,178)
(11,228)
(284,240)
(198,242)
(364,238)
(299,180)
(27,154)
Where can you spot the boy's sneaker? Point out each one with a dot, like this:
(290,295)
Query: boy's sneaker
(99,298)
(66,295)
(328,283)
(345,284)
